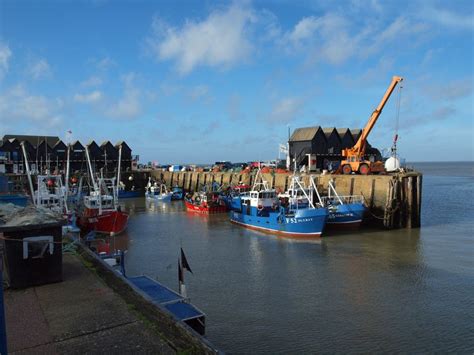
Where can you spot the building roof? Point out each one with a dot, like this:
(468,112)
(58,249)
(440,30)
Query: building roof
(342,131)
(304,134)
(328,131)
(33,140)
(355,131)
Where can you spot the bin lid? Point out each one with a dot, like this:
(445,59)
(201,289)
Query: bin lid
(26,227)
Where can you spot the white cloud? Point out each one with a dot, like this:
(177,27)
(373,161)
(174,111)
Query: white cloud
(221,40)
(105,63)
(303,30)
(449,19)
(5,54)
(335,38)
(39,69)
(200,93)
(285,110)
(92,81)
(18,103)
(129,105)
(92,97)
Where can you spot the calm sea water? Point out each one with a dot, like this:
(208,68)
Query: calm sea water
(371,291)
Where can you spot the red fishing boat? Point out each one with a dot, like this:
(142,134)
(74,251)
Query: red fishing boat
(206,203)
(101,212)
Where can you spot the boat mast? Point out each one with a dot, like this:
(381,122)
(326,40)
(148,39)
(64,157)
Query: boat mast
(94,184)
(118,170)
(28,172)
(331,187)
(66,182)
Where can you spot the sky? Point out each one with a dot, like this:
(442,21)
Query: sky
(204,81)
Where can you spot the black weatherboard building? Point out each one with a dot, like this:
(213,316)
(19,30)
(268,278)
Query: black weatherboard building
(323,146)
(51,153)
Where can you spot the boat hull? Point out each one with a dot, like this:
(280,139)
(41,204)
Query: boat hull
(160,198)
(190,207)
(347,216)
(109,222)
(129,194)
(305,223)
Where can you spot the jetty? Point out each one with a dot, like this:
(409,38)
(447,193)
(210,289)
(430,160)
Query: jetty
(93,310)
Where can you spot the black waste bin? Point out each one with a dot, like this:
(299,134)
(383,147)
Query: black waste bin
(33,254)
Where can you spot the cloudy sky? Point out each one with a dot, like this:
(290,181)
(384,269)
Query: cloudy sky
(189,81)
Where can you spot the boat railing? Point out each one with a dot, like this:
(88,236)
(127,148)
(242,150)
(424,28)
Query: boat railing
(333,200)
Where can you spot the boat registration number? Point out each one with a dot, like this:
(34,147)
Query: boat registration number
(299,220)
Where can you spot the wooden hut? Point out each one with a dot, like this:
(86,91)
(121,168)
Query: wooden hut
(126,155)
(306,140)
(110,155)
(347,141)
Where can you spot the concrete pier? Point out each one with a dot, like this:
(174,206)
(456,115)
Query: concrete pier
(92,311)
(393,200)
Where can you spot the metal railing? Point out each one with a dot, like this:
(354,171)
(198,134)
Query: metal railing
(334,200)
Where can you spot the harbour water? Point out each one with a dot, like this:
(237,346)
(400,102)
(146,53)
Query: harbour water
(370,291)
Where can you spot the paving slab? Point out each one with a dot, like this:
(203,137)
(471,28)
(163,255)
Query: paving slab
(80,305)
(26,325)
(79,315)
(133,339)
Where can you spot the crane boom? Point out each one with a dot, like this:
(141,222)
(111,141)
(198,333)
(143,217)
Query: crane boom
(355,155)
(360,145)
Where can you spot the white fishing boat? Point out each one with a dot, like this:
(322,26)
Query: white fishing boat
(157,192)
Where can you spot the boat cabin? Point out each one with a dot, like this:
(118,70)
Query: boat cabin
(96,201)
(260,199)
(50,193)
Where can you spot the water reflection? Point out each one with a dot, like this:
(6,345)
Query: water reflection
(366,291)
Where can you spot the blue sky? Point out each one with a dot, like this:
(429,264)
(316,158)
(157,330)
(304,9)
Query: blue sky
(188,81)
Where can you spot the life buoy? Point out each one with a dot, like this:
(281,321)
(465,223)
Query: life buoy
(259,207)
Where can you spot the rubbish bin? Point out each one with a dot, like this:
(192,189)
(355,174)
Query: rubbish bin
(33,254)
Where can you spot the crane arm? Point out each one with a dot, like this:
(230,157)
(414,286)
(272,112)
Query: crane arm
(359,147)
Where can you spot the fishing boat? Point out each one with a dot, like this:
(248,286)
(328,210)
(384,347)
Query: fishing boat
(101,212)
(157,192)
(344,211)
(177,193)
(123,193)
(205,202)
(232,198)
(50,193)
(262,210)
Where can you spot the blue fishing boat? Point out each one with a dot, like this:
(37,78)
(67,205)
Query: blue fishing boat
(344,211)
(19,200)
(177,193)
(262,210)
(122,193)
(233,195)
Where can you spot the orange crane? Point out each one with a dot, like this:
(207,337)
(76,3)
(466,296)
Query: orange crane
(355,161)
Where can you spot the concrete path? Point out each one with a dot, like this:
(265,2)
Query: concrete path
(79,315)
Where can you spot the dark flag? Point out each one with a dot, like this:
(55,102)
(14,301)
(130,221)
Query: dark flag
(184,262)
(180,273)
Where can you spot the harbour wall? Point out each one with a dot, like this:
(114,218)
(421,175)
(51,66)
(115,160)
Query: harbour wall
(393,200)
